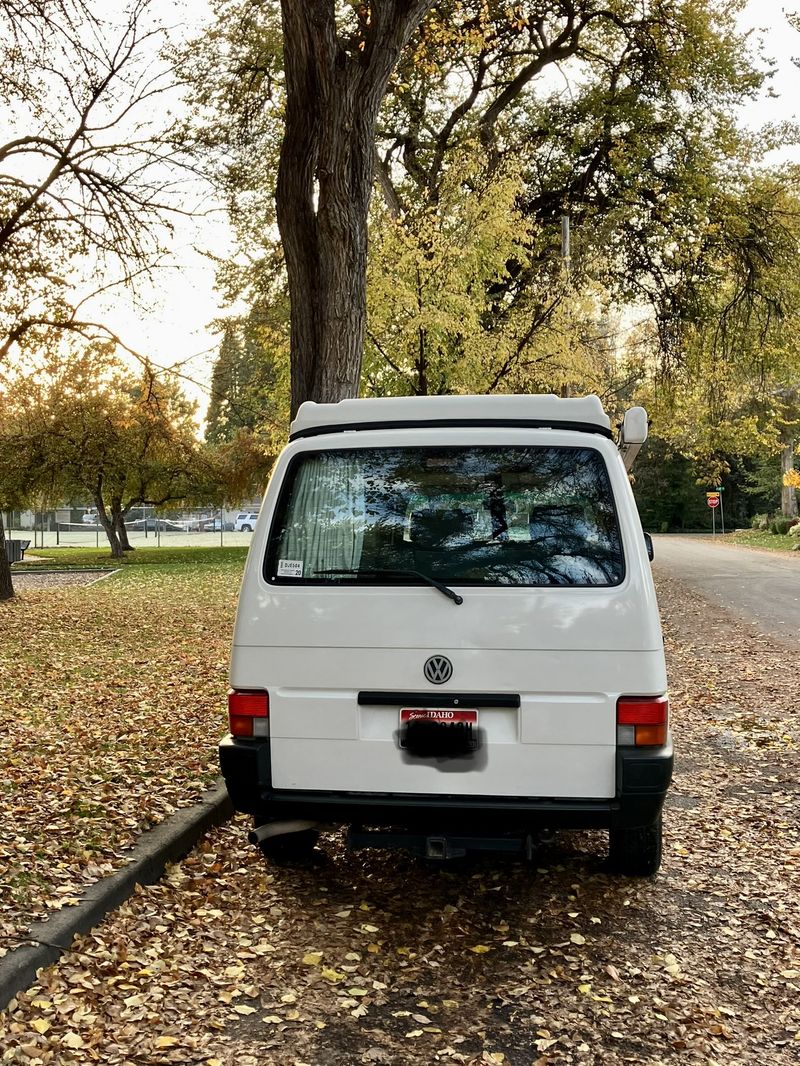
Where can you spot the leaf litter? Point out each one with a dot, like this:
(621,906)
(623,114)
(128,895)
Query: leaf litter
(111,704)
(699,965)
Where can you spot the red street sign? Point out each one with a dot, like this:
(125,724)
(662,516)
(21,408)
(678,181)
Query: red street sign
(713,501)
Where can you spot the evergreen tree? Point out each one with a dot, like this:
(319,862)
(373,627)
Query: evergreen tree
(249,379)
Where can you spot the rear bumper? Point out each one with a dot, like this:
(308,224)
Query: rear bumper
(643,777)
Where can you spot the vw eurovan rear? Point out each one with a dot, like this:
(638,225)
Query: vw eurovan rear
(447,636)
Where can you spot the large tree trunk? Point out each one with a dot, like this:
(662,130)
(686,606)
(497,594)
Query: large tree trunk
(788,492)
(6,581)
(333,92)
(118,521)
(107,522)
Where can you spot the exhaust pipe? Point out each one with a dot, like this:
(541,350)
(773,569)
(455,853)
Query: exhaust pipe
(276,829)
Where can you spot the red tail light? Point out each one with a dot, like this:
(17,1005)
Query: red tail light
(642,720)
(248,713)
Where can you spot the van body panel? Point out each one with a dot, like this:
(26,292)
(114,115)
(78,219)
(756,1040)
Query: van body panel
(560,742)
(622,618)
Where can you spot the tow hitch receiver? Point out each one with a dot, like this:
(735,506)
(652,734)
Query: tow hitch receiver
(440,846)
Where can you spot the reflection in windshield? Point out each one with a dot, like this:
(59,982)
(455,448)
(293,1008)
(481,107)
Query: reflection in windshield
(469,515)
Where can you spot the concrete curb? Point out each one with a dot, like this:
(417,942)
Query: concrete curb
(171,840)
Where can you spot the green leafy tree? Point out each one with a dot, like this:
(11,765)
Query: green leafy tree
(249,382)
(638,150)
(733,390)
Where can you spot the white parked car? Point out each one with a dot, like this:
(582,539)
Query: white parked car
(246,522)
(447,636)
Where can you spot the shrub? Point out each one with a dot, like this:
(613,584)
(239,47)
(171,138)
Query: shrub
(795,530)
(759,521)
(781,526)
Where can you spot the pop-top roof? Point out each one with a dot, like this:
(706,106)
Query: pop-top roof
(585,412)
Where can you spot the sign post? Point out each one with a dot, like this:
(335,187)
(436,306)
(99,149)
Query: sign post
(713,499)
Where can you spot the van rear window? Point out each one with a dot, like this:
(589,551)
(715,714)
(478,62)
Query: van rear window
(501,515)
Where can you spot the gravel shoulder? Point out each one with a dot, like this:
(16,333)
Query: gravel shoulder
(379,958)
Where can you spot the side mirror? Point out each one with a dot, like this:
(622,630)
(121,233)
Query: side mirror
(648,540)
(633,434)
(634,426)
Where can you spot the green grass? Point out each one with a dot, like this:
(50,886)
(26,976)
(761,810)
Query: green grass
(759,538)
(79,557)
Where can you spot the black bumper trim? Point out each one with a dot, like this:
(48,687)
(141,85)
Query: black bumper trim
(643,776)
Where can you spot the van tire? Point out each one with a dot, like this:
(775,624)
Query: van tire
(636,852)
(289,848)
(247,529)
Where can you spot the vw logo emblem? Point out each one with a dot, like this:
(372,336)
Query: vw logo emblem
(438,669)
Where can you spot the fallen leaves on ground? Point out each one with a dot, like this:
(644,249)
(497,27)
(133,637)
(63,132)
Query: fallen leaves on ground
(111,705)
(699,966)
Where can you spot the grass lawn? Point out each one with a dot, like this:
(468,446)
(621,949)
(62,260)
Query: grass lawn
(81,557)
(759,538)
(112,700)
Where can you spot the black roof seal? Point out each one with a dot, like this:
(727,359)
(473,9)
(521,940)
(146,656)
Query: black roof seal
(454,423)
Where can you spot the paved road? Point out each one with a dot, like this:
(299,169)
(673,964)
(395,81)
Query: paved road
(759,586)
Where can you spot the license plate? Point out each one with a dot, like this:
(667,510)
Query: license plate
(420,714)
(428,732)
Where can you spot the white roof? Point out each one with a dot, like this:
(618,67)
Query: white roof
(543,409)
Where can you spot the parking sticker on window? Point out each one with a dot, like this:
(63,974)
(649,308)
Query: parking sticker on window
(290,568)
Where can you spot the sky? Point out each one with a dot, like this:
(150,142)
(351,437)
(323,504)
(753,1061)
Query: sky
(782,45)
(171,319)
(174,316)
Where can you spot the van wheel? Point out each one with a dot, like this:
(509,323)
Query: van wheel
(636,852)
(290,848)
(247,529)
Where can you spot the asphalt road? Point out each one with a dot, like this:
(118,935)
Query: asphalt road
(762,587)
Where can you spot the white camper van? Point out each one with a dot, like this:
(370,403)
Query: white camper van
(447,636)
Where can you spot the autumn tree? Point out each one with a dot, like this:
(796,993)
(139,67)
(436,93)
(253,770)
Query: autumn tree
(233,469)
(87,175)
(789,423)
(88,425)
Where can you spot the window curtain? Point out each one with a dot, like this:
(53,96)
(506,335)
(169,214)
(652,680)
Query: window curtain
(327,515)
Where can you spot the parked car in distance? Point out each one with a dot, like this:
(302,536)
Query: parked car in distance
(150,525)
(202,524)
(90,518)
(245,523)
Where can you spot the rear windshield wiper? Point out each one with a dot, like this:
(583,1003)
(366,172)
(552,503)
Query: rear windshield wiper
(432,581)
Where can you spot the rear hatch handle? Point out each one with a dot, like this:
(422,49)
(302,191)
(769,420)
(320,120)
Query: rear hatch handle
(377,574)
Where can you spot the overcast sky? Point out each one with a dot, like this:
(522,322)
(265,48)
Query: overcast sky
(782,45)
(175,327)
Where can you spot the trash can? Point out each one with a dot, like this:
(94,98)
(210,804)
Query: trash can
(14,551)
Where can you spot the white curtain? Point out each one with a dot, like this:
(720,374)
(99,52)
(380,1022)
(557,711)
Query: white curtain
(326,517)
